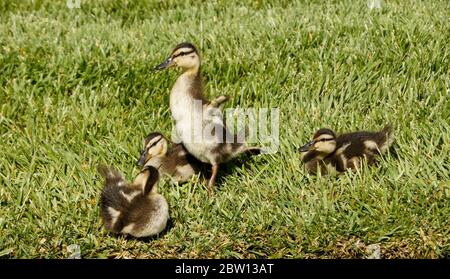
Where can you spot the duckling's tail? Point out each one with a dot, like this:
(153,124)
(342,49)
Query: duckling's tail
(111,175)
(386,138)
(254,151)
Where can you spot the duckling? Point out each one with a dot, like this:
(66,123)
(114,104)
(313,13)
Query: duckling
(193,113)
(331,154)
(135,209)
(175,161)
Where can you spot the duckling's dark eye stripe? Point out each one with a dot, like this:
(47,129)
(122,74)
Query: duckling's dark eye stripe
(183,53)
(154,143)
(325,139)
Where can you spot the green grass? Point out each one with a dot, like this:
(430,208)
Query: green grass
(77,88)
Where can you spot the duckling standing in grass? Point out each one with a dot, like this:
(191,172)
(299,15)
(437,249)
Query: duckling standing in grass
(331,154)
(137,208)
(175,161)
(193,114)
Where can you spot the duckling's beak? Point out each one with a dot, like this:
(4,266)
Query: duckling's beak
(307,147)
(142,158)
(166,64)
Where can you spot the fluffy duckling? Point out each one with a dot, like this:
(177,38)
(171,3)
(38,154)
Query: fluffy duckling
(175,161)
(135,209)
(194,115)
(333,154)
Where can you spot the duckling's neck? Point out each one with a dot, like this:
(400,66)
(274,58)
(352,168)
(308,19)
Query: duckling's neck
(189,83)
(186,90)
(194,71)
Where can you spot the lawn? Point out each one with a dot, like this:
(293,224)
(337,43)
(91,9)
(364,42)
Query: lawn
(77,88)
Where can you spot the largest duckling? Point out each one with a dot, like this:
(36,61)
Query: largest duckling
(335,154)
(193,114)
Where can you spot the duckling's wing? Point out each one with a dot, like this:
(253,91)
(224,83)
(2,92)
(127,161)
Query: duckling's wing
(179,156)
(176,136)
(219,102)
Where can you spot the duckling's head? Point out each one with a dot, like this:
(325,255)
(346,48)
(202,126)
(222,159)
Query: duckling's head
(155,145)
(184,55)
(324,141)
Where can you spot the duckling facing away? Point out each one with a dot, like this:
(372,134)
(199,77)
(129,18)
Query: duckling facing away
(175,161)
(333,154)
(194,114)
(136,209)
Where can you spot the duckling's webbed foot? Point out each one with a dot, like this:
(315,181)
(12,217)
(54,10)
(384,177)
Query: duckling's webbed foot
(212,180)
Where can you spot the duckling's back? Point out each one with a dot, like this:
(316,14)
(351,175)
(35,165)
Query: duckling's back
(362,141)
(146,216)
(351,147)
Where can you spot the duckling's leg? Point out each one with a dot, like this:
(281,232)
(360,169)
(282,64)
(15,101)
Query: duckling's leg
(212,180)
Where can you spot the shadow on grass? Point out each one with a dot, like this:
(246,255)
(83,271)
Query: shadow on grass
(225,169)
(242,162)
